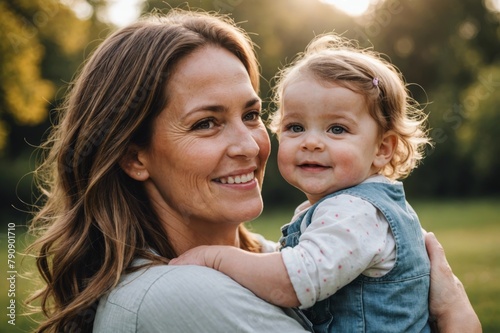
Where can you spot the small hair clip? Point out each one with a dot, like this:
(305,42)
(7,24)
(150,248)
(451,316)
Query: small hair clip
(375,81)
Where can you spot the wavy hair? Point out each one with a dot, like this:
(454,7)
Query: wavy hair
(93,220)
(335,59)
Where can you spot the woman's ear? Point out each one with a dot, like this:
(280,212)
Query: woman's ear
(385,150)
(132,165)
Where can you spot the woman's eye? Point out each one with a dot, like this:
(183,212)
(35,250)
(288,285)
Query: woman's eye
(252,116)
(204,124)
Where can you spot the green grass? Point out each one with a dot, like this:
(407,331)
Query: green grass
(470,233)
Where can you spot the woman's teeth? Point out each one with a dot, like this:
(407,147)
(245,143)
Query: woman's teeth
(237,179)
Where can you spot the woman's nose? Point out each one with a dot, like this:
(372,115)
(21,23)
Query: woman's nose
(242,142)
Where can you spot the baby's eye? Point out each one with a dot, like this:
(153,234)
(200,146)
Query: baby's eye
(204,124)
(336,129)
(295,128)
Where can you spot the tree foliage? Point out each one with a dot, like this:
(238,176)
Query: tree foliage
(42,43)
(28,28)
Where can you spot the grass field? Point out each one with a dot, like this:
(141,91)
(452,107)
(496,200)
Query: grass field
(469,231)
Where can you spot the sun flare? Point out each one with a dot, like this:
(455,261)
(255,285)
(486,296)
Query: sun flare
(123,12)
(350,7)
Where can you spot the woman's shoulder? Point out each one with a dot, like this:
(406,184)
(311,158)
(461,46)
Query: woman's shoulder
(185,299)
(124,308)
(159,281)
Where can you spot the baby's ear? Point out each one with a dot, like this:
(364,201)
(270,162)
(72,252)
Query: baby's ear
(386,149)
(132,165)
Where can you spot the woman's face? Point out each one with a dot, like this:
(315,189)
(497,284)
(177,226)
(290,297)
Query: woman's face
(209,148)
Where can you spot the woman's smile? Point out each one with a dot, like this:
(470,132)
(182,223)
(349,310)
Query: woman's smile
(236,179)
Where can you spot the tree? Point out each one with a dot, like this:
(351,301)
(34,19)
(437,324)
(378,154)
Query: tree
(478,137)
(441,46)
(42,43)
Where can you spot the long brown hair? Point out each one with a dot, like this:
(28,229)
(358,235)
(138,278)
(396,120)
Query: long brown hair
(93,219)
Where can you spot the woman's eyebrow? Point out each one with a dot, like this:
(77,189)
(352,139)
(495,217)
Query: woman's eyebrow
(219,107)
(252,102)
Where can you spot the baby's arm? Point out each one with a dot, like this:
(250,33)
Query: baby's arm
(263,273)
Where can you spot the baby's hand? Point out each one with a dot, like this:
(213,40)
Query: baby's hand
(201,255)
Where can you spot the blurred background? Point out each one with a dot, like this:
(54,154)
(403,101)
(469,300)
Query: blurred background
(448,51)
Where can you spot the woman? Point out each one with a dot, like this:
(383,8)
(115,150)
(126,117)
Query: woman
(161,148)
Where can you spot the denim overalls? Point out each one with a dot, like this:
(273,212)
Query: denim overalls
(396,302)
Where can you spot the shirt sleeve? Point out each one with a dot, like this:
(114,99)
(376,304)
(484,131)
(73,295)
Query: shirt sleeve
(347,237)
(199,299)
(267,245)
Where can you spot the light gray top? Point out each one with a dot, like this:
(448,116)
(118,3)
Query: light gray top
(187,299)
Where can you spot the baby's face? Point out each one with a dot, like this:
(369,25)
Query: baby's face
(328,140)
